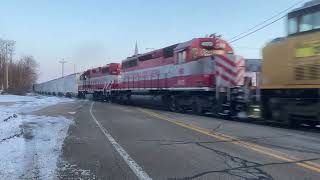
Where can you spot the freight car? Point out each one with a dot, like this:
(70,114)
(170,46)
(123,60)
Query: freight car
(64,86)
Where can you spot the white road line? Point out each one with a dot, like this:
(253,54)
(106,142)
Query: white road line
(138,171)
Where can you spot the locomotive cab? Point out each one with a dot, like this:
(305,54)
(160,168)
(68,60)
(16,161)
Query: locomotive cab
(201,48)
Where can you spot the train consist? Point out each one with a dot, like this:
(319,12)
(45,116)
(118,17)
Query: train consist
(195,75)
(204,75)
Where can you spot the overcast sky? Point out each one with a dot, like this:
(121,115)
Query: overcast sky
(95,32)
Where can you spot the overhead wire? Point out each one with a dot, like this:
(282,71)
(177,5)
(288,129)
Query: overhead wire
(249,31)
(232,41)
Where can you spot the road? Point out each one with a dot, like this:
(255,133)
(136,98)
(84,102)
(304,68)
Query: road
(110,141)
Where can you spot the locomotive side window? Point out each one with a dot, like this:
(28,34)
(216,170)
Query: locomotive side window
(133,63)
(306,23)
(168,51)
(145,57)
(292,26)
(182,56)
(124,65)
(316,20)
(129,63)
(105,69)
(305,20)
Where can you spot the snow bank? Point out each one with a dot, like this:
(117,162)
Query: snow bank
(34,152)
(30,145)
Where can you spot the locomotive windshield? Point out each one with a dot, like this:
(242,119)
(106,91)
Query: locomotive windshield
(304,20)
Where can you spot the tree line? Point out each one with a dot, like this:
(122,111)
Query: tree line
(17,75)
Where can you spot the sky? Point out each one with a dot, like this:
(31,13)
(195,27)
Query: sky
(92,33)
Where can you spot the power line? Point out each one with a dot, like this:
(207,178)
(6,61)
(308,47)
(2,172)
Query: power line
(236,38)
(258,29)
(276,15)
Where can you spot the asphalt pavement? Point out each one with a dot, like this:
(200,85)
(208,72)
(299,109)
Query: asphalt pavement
(110,141)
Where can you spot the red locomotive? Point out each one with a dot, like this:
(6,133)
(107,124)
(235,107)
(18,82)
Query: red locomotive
(196,75)
(98,81)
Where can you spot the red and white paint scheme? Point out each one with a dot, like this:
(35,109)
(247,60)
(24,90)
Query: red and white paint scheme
(99,79)
(192,75)
(229,71)
(198,64)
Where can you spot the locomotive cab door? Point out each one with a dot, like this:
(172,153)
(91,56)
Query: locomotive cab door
(181,59)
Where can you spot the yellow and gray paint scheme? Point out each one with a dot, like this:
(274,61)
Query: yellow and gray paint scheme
(290,81)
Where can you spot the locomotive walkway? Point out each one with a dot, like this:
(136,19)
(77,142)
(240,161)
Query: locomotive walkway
(110,141)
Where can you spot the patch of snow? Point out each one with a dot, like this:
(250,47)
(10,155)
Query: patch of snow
(34,153)
(30,145)
(26,104)
(15,98)
(71,171)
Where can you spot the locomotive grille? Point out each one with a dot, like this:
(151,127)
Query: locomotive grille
(299,73)
(307,72)
(315,72)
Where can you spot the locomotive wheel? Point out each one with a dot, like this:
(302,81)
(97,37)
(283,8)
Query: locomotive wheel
(216,110)
(173,105)
(94,96)
(128,99)
(107,98)
(196,108)
(121,100)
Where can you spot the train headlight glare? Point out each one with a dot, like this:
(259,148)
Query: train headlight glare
(256,109)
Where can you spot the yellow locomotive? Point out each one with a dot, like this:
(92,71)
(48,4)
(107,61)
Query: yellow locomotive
(290,87)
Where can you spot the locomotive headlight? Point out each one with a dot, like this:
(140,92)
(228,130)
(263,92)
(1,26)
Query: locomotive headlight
(256,109)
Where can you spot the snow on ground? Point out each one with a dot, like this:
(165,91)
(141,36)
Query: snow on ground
(30,145)
(25,104)
(14,98)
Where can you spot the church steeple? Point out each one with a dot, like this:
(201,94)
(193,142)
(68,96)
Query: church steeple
(136,50)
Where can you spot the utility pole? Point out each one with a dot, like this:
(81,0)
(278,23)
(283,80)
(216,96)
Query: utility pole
(62,66)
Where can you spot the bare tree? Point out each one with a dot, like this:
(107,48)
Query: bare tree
(25,74)
(7,48)
(16,76)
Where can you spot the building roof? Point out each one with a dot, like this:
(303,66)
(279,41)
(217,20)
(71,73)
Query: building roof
(253,65)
